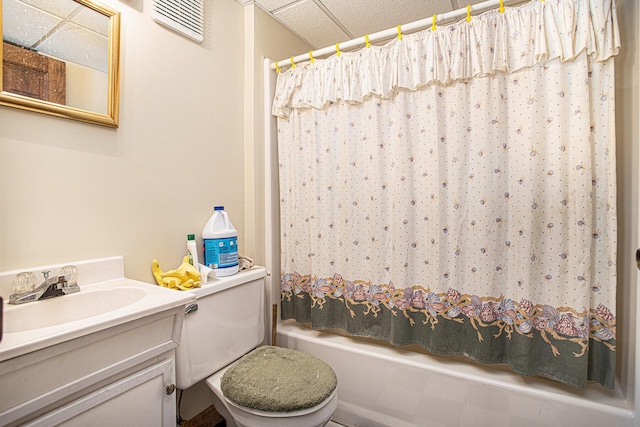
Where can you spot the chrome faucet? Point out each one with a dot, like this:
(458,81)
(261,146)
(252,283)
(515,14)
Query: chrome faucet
(51,287)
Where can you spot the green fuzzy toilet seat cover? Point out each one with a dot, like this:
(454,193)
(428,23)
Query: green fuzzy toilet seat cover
(275,379)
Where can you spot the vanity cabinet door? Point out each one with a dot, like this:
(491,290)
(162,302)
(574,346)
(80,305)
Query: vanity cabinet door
(142,399)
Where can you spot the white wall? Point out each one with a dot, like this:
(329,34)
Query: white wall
(264,38)
(87,88)
(72,191)
(628,137)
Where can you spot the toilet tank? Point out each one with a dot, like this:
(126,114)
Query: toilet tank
(228,323)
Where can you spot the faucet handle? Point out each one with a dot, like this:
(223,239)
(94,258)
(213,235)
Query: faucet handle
(71,274)
(24,282)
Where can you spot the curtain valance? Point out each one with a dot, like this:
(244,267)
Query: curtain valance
(493,42)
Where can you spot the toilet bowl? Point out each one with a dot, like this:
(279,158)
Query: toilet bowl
(226,322)
(315,416)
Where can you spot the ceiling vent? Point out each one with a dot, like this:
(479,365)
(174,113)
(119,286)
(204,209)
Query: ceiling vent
(183,16)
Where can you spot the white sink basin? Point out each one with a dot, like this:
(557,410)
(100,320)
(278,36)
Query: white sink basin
(68,308)
(98,306)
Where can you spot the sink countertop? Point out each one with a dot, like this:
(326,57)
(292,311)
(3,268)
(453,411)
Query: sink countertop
(155,300)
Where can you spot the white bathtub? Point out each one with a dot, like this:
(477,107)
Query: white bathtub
(381,385)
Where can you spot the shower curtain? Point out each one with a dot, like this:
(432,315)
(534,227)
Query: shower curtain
(456,189)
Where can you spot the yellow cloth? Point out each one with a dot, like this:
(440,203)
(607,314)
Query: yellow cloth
(182,278)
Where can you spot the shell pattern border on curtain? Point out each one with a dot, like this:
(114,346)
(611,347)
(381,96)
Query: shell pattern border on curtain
(508,316)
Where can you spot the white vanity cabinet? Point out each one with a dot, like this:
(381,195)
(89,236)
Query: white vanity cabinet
(141,399)
(123,375)
(103,356)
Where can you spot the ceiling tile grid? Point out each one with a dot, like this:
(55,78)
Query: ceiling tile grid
(62,29)
(309,21)
(323,23)
(21,14)
(92,20)
(272,5)
(369,16)
(77,44)
(59,8)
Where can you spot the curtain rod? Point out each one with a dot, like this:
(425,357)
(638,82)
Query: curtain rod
(386,34)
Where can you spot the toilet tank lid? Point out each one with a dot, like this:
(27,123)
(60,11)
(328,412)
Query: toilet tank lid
(221,283)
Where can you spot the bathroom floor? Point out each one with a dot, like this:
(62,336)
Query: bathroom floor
(211,418)
(218,423)
(207,418)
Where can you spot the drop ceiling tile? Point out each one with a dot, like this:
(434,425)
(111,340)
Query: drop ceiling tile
(60,8)
(312,24)
(23,25)
(369,16)
(271,5)
(93,20)
(77,44)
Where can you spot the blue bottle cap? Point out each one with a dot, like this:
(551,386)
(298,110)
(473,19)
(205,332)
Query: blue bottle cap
(218,208)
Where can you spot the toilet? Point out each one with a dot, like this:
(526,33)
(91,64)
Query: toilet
(252,385)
